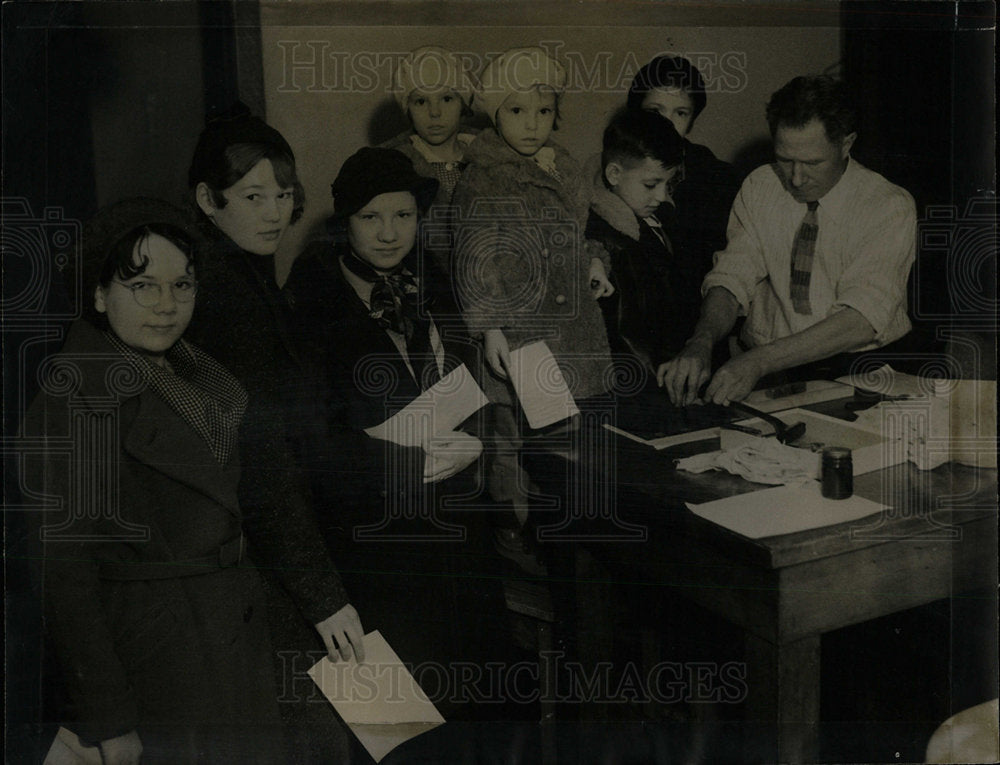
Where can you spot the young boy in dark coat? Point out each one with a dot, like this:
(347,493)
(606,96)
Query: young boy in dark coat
(651,308)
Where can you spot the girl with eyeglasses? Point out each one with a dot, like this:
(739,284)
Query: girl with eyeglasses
(155,614)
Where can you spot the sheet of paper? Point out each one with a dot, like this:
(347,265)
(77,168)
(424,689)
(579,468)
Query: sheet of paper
(540,385)
(783,510)
(889,382)
(439,409)
(379,700)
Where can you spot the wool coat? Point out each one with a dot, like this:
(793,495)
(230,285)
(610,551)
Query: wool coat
(424,573)
(647,316)
(242,319)
(522,263)
(182,659)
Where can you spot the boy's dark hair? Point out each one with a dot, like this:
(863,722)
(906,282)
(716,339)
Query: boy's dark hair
(669,72)
(635,134)
(820,97)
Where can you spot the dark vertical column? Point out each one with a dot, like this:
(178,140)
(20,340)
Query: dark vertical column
(231,54)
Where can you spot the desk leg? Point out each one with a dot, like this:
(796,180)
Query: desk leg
(783,691)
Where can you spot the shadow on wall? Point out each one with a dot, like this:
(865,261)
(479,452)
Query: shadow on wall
(752,155)
(385,123)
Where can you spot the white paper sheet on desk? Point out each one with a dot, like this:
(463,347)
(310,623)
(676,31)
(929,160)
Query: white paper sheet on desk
(439,409)
(379,700)
(783,510)
(540,385)
(889,382)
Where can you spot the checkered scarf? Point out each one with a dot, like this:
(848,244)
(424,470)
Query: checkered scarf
(199,389)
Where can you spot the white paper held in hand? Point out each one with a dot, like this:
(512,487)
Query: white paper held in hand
(379,699)
(439,409)
(540,385)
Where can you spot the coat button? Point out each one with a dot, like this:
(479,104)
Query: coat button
(248,614)
(560,299)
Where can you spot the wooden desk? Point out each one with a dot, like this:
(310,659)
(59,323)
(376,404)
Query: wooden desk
(784,593)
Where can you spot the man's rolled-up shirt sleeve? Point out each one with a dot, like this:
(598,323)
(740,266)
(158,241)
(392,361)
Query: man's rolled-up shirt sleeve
(874,282)
(740,267)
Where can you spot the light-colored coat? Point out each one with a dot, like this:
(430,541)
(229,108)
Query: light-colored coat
(521,263)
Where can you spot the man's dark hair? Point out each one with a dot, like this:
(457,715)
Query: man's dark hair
(815,97)
(669,72)
(635,134)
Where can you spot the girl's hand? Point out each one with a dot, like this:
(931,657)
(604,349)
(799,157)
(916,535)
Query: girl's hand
(599,284)
(122,750)
(449,454)
(342,632)
(497,352)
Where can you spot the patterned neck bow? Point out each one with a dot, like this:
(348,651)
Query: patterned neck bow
(395,300)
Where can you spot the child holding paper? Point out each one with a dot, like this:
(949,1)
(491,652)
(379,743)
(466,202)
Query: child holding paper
(523,270)
(385,330)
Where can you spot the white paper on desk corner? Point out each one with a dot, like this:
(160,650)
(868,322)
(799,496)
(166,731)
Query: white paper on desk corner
(540,385)
(889,382)
(379,700)
(783,510)
(439,409)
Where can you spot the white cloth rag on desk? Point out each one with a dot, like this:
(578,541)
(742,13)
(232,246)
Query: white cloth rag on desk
(761,460)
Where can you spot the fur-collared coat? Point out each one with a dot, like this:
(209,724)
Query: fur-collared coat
(522,264)
(184,660)
(648,315)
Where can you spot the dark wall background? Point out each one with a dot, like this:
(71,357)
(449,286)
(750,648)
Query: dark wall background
(923,72)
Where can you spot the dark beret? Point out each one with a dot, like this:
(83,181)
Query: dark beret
(370,172)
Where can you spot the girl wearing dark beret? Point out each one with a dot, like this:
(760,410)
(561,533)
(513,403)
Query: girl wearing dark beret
(153,608)
(381,319)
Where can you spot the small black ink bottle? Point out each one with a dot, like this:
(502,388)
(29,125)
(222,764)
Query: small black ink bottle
(838,473)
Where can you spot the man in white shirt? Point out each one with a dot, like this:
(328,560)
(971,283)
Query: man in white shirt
(818,254)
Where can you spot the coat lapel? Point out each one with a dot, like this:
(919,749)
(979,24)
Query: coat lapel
(159,438)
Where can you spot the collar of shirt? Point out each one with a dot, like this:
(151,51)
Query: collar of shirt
(834,203)
(424,149)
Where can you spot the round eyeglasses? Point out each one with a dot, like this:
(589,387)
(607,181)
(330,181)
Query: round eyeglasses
(149,294)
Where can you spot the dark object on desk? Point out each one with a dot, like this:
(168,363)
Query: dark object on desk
(649,414)
(788,389)
(866,399)
(784,433)
(838,473)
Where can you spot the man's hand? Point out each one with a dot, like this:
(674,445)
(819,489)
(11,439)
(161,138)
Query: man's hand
(735,379)
(449,454)
(497,352)
(122,750)
(341,633)
(599,284)
(683,375)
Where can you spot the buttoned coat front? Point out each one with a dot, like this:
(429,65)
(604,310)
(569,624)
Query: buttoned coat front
(184,660)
